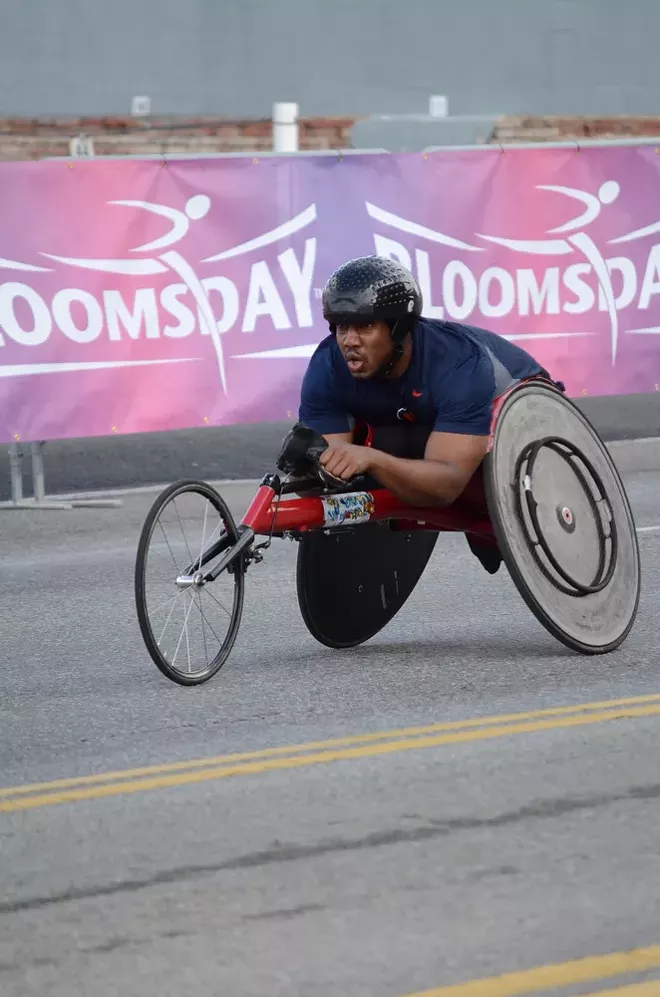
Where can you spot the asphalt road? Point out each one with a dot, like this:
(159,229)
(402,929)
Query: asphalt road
(385,866)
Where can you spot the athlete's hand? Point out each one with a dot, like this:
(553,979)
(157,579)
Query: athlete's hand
(346,460)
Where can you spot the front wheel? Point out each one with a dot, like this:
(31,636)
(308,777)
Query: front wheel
(189,625)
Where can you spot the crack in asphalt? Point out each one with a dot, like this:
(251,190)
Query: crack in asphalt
(433,828)
(284,913)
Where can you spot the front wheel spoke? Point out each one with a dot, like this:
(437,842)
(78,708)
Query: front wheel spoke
(172,598)
(185,624)
(199,609)
(185,627)
(168,544)
(217,602)
(201,546)
(185,540)
(163,551)
(206,650)
(169,617)
(196,605)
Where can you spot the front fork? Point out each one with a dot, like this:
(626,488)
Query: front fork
(193,577)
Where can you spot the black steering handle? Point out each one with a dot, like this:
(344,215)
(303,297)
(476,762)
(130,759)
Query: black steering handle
(301,454)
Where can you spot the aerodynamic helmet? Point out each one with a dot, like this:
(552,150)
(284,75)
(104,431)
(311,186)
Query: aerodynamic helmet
(370,288)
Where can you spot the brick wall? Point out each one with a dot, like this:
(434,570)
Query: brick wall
(25,139)
(529,128)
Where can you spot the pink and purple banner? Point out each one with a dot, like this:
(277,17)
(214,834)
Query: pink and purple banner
(138,296)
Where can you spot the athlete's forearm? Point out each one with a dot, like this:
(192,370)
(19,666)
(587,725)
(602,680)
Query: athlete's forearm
(417,482)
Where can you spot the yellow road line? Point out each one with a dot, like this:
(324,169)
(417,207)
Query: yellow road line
(650,988)
(354,739)
(303,760)
(564,974)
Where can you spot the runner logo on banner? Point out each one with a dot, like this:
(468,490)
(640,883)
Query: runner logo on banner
(518,290)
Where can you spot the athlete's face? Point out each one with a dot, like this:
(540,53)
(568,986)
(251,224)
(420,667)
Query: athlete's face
(365,347)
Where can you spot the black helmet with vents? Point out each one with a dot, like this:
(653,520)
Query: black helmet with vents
(369,288)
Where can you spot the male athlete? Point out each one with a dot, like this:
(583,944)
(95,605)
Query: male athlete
(384,366)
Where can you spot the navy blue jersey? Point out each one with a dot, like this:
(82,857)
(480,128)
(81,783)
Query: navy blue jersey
(455,374)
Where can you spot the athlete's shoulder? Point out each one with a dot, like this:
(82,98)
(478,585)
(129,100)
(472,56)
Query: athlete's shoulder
(446,345)
(443,328)
(458,375)
(446,331)
(431,326)
(326,350)
(464,341)
(323,361)
(325,375)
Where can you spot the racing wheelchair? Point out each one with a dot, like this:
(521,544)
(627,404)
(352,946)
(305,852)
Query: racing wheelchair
(547,494)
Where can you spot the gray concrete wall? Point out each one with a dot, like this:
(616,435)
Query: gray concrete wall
(235,57)
(250,451)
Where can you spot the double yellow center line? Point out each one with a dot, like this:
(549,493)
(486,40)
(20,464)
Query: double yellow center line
(566,974)
(138,780)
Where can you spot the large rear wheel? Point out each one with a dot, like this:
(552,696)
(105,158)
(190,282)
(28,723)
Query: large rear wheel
(563,521)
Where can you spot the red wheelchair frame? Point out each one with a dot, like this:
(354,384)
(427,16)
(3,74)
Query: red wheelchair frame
(269,514)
